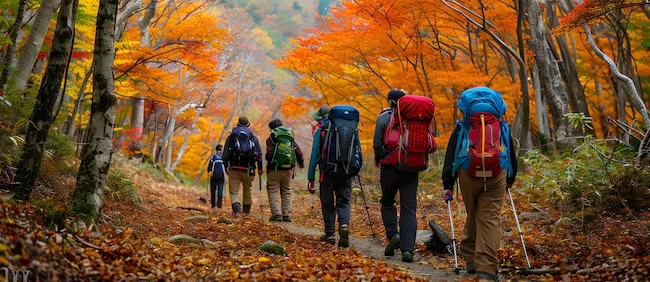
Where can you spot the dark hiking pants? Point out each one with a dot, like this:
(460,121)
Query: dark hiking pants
(406,183)
(216,190)
(335,193)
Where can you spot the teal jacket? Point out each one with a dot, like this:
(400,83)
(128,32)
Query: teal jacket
(315,156)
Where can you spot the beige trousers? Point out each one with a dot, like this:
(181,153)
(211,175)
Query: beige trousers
(279,192)
(482,233)
(236,177)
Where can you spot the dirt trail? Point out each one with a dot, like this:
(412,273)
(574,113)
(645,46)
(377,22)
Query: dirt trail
(375,250)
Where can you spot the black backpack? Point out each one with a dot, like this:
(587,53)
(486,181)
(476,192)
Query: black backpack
(242,147)
(341,147)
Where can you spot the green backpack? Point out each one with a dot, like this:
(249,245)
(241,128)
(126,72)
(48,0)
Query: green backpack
(284,155)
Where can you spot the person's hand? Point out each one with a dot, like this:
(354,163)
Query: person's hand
(509,185)
(310,187)
(449,195)
(301,166)
(260,171)
(376,163)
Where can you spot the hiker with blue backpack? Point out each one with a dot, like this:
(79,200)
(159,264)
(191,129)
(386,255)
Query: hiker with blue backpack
(402,141)
(217,172)
(242,155)
(337,153)
(282,155)
(482,156)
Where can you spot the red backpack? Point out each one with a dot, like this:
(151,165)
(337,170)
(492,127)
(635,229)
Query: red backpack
(484,145)
(409,137)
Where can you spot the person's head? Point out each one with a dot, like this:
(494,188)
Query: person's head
(243,121)
(321,113)
(218,148)
(275,124)
(394,95)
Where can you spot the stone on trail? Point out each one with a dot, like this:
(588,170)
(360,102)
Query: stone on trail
(198,218)
(182,238)
(272,248)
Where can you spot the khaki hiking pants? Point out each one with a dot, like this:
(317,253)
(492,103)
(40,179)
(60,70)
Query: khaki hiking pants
(482,233)
(279,192)
(236,177)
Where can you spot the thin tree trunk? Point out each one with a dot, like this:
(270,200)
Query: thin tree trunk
(542,118)
(96,158)
(34,42)
(183,148)
(604,125)
(41,118)
(70,130)
(552,84)
(626,82)
(11,48)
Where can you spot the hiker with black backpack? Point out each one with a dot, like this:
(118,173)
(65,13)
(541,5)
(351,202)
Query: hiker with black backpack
(337,152)
(402,143)
(242,155)
(282,154)
(481,155)
(217,172)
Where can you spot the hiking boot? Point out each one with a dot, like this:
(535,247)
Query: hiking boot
(219,205)
(407,256)
(487,277)
(276,217)
(247,208)
(286,218)
(330,239)
(471,269)
(344,233)
(389,251)
(236,208)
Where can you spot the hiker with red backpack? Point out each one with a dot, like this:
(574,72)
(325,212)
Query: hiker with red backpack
(402,142)
(481,155)
(217,172)
(282,154)
(337,152)
(242,155)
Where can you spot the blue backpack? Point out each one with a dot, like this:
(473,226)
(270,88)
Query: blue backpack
(215,166)
(341,147)
(483,144)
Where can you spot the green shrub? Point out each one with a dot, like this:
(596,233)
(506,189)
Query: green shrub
(60,147)
(121,187)
(54,213)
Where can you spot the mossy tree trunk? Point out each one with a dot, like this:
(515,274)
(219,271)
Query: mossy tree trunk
(11,48)
(42,115)
(96,155)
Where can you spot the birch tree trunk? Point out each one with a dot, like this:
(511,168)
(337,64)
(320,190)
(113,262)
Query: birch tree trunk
(550,78)
(41,118)
(626,82)
(34,42)
(96,157)
(543,125)
(183,148)
(11,48)
(137,103)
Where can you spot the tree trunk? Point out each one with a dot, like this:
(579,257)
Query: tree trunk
(543,125)
(604,125)
(183,148)
(71,128)
(96,158)
(11,48)
(137,103)
(549,71)
(626,82)
(34,42)
(41,117)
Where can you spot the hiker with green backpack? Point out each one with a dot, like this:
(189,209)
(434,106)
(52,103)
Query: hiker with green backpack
(282,154)
(481,154)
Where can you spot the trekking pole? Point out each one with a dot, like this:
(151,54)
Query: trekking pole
(363,195)
(521,234)
(453,234)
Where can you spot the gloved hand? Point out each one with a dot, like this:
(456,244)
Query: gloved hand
(509,185)
(310,187)
(449,195)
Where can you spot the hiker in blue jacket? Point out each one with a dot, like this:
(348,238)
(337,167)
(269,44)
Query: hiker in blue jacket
(217,172)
